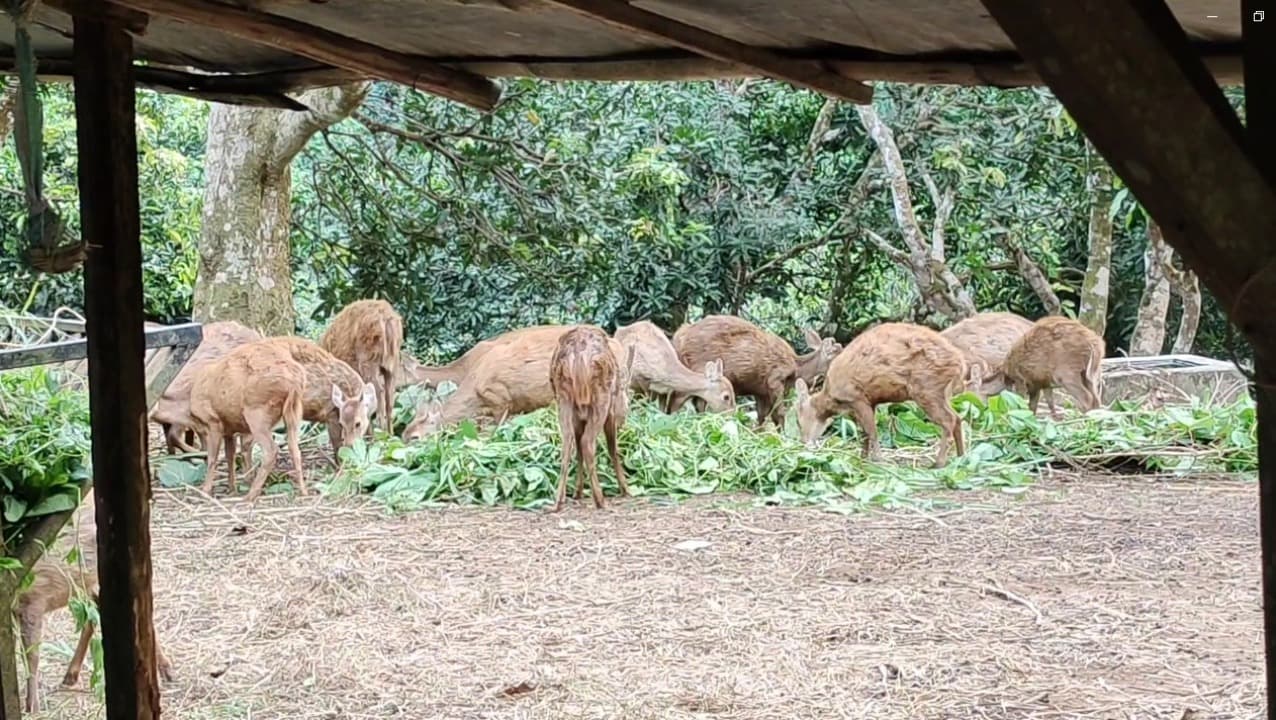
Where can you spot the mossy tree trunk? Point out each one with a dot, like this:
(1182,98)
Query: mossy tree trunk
(1148,337)
(244,253)
(1093,311)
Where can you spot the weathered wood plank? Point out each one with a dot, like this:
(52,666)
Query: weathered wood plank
(805,73)
(186,335)
(328,47)
(107,144)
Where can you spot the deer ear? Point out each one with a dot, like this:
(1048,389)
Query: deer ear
(369,396)
(713,370)
(813,339)
(338,397)
(803,393)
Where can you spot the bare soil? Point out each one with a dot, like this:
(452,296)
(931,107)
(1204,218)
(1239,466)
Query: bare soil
(1086,597)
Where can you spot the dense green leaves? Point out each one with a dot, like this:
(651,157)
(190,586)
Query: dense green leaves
(692,454)
(44,449)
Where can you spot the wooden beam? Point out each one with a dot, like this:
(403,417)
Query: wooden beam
(229,89)
(132,21)
(804,73)
(1128,75)
(1259,51)
(109,215)
(971,69)
(328,47)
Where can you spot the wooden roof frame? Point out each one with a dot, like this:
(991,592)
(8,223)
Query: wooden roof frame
(1208,181)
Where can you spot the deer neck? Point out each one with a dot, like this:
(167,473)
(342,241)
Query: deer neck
(808,366)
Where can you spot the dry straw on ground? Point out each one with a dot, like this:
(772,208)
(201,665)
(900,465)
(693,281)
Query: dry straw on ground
(1096,597)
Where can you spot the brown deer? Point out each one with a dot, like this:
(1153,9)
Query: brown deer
(756,361)
(335,395)
(54,582)
(658,371)
(172,410)
(985,339)
(892,362)
(510,376)
(1057,351)
(591,388)
(368,334)
(247,392)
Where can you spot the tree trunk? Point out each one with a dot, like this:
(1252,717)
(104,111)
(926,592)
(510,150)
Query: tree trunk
(1093,312)
(1148,337)
(245,256)
(1188,290)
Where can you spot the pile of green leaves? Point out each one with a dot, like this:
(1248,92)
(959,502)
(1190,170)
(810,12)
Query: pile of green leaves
(44,449)
(686,454)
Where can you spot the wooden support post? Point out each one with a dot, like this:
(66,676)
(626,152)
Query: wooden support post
(107,143)
(1259,52)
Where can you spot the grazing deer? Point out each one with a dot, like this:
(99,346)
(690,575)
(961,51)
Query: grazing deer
(247,392)
(173,410)
(658,371)
(591,388)
(756,361)
(985,339)
(510,378)
(53,583)
(892,362)
(1057,351)
(368,334)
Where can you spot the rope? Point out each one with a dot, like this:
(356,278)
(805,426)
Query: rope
(44,230)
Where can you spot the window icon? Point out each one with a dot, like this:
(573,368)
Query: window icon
(1259,15)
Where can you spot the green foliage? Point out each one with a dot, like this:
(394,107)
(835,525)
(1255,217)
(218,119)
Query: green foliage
(170,140)
(693,454)
(44,449)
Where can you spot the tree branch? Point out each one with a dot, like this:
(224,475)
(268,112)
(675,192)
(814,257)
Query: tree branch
(894,253)
(893,163)
(1033,274)
(328,106)
(943,203)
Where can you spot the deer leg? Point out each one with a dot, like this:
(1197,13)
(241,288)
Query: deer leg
(941,413)
(1054,409)
(566,430)
(676,401)
(72,675)
(260,426)
(213,443)
(31,622)
(862,410)
(611,429)
(231,478)
(580,464)
(334,441)
(387,397)
(1034,398)
(589,456)
(764,407)
(292,431)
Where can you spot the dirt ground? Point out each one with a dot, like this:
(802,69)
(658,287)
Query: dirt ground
(1094,597)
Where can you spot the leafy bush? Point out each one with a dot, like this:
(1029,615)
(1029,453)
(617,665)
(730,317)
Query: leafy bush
(44,448)
(691,454)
